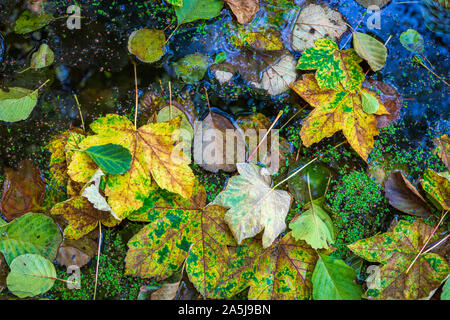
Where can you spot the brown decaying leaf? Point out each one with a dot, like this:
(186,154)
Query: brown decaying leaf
(204,141)
(76,252)
(4,270)
(23,190)
(244,10)
(403,196)
(168,291)
(391,100)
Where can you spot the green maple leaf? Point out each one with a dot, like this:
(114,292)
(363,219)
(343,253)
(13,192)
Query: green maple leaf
(396,250)
(334,68)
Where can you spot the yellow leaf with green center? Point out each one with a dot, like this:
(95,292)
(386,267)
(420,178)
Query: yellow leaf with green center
(335,69)
(182,230)
(153,155)
(82,217)
(337,110)
(437,185)
(396,251)
(282,271)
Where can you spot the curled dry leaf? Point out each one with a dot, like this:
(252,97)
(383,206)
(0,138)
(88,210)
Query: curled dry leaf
(403,196)
(23,190)
(253,205)
(212,144)
(315,22)
(244,10)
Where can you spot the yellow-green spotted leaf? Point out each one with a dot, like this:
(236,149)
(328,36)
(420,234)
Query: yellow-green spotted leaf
(148,45)
(111,158)
(396,250)
(282,272)
(177,3)
(338,110)
(253,205)
(335,69)
(17,103)
(314,226)
(82,217)
(42,58)
(30,233)
(370,49)
(30,275)
(437,185)
(334,280)
(182,231)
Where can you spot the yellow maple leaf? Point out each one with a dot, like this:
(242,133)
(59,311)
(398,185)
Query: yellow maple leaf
(153,155)
(336,110)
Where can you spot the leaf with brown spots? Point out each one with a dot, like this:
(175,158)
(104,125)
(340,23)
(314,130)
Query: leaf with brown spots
(403,196)
(23,190)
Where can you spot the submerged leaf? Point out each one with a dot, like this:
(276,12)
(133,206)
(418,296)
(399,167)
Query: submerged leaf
(31,233)
(148,45)
(244,10)
(191,68)
(29,22)
(315,22)
(17,103)
(42,58)
(23,190)
(334,280)
(253,205)
(198,9)
(370,49)
(403,196)
(31,275)
(412,41)
(396,250)
(336,110)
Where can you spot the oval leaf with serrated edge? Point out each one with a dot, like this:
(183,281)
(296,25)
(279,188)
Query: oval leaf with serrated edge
(29,22)
(30,275)
(17,103)
(111,158)
(370,49)
(31,233)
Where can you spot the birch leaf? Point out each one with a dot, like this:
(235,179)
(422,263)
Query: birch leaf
(370,49)
(192,10)
(42,58)
(29,22)
(396,250)
(253,205)
(111,158)
(148,45)
(336,110)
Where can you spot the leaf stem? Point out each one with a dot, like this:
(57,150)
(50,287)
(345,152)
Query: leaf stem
(98,257)
(81,114)
(136,92)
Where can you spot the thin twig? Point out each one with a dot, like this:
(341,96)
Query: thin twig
(434,73)
(81,114)
(136,90)
(98,257)
(170,101)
